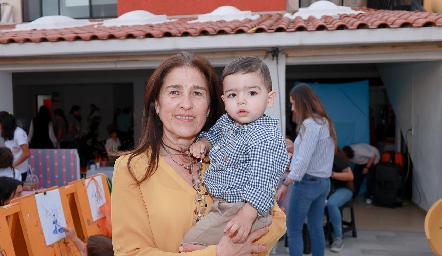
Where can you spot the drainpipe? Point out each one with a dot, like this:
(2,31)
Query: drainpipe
(7,14)
(398,139)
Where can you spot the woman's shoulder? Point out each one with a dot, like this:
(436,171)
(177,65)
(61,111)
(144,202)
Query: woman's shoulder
(137,164)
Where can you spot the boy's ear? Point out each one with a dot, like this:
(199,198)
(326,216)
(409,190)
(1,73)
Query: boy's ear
(271,99)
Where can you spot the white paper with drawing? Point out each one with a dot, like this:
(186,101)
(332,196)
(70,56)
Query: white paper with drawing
(51,215)
(95,194)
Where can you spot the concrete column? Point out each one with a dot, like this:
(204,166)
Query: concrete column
(6,99)
(276,66)
(138,88)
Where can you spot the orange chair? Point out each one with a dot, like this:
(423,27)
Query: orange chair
(433,227)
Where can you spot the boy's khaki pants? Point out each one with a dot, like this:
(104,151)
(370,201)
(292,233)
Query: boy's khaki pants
(210,229)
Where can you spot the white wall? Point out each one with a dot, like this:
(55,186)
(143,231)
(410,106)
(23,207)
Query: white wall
(415,92)
(6,92)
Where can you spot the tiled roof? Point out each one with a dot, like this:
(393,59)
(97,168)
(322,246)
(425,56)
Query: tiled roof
(267,23)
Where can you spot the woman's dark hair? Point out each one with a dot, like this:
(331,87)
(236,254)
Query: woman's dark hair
(349,152)
(6,157)
(152,127)
(341,154)
(8,125)
(8,186)
(60,112)
(44,115)
(74,108)
(99,245)
(308,105)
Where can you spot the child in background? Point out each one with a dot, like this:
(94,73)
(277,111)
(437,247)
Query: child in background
(6,161)
(247,154)
(9,189)
(96,245)
(112,146)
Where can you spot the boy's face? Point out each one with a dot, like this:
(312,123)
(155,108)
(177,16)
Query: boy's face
(246,97)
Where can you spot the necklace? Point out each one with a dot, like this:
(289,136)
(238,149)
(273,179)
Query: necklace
(194,168)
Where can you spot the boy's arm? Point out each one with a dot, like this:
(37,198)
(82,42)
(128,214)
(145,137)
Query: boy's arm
(70,234)
(241,224)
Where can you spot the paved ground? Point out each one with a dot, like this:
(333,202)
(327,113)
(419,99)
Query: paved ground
(379,243)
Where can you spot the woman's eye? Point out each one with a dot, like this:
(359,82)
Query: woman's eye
(174,92)
(198,93)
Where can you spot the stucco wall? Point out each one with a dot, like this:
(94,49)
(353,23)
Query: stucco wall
(415,93)
(186,7)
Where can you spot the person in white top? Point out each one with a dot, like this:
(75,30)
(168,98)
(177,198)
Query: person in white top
(17,141)
(6,161)
(365,157)
(112,146)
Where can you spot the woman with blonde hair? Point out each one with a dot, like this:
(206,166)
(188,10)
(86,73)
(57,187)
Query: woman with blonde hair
(310,170)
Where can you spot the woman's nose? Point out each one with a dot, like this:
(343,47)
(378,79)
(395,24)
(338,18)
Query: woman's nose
(186,102)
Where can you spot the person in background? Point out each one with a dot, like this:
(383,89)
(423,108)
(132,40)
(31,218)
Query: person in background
(112,146)
(60,127)
(17,141)
(310,170)
(123,127)
(94,119)
(41,131)
(157,195)
(284,203)
(96,245)
(10,188)
(6,161)
(340,193)
(365,157)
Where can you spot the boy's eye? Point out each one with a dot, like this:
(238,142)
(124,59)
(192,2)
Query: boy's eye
(252,93)
(231,95)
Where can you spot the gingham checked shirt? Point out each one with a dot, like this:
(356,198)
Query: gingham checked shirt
(246,161)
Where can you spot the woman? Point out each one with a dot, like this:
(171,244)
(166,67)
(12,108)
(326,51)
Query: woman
(41,130)
(310,169)
(61,126)
(157,190)
(10,188)
(17,141)
(341,192)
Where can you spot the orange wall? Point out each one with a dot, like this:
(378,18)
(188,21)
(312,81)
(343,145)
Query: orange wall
(186,7)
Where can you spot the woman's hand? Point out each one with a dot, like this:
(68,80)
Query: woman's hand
(280,193)
(227,247)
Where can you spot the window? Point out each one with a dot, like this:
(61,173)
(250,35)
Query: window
(77,9)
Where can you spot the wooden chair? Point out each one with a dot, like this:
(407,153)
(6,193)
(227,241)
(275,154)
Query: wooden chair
(433,227)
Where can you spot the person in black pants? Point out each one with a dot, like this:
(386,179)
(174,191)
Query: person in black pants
(365,157)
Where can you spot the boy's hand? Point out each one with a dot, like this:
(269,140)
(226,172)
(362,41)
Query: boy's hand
(239,227)
(70,232)
(199,149)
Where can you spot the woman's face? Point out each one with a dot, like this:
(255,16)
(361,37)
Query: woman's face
(292,101)
(183,103)
(17,194)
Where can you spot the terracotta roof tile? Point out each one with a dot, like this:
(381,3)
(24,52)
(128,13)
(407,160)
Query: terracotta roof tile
(266,23)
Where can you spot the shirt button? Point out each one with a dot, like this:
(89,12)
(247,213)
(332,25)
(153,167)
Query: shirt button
(216,147)
(245,126)
(231,131)
(273,189)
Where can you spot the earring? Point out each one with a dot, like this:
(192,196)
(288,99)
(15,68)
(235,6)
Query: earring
(208,113)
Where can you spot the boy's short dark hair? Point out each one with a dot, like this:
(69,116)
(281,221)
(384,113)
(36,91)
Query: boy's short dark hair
(245,65)
(6,157)
(99,245)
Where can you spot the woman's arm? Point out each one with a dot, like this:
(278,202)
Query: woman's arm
(23,157)
(345,175)
(31,131)
(52,134)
